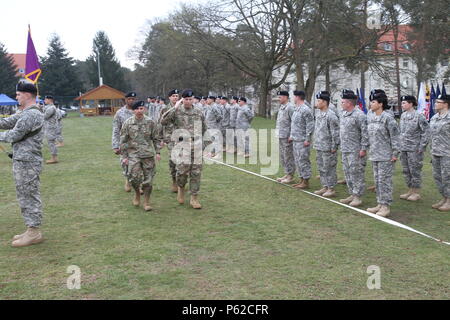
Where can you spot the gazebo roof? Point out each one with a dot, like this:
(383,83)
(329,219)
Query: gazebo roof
(102,92)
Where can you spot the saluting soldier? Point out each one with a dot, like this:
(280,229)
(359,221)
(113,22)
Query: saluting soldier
(25,134)
(440,150)
(302,128)
(283,130)
(140,145)
(166,132)
(119,119)
(354,146)
(414,138)
(51,127)
(384,141)
(326,143)
(188,149)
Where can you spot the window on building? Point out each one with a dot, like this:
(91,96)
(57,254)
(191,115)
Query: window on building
(405,63)
(388,46)
(21,71)
(406,46)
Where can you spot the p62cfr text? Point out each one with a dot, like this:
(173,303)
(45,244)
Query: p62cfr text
(230,309)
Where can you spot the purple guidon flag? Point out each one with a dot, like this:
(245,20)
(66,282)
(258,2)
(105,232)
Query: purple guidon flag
(32,67)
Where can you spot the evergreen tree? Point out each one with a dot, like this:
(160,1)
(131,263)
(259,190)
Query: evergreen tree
(110,68)
(8,73)
(59,74)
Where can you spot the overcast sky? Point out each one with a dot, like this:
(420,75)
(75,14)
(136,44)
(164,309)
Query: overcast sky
(76,22)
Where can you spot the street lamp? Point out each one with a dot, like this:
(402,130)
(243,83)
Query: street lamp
(100,79)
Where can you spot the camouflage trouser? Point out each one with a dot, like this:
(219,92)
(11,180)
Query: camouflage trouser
(51,136)
(124,167)
(441,174)
(192,171)
(172,165)
(59,136)
(287,156)
(141,172)
(301,156)
(412,163)
(26,175)
(243,141)
(354,171)
(382,175)
(326,164)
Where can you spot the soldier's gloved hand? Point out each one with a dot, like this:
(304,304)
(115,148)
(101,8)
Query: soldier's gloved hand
(116,151)
(125,161)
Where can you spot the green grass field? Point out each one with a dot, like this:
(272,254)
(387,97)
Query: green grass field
(253,239)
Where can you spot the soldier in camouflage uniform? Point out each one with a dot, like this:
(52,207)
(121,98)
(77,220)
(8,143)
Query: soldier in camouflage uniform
(326,143)
(119,119)
(140,144)
(234,108)
(354,146)
(384,141)
(166,132)
(283,130)
(51,128)
(244,117)
(225,123)
(414,138)
(188,150)
(302,128)
(59,136)
(26,135)
(213,118)
(440,150)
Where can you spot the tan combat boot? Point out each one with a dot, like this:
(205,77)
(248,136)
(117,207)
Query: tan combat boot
(347,200)
(372,188)
(321,191)
(147,206)
(288,179)
(439,204)
(406,195)
(446,206)
(384,211)
(343,181)
(180,196)
(375,209)
(298,184)
(31,236)
(60,144)
(330,193)
(127,186)
(18,236)
(283,177)
(194,202)
(53,160)
(304,184)
(356,202)
(137,198)
(415,195)
(174,187)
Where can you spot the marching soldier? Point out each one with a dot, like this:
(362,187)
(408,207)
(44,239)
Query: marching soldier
(414,138)
(119,119)
(26,135)
(189,149)
(166,132)
(140,144)
(51,128)
(384,150)
(440,150)
(354,146)
(244,117)
(326,143)
(302,127)
(283,129)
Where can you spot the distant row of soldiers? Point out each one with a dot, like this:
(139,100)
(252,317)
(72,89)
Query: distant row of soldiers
(214,113)
(376,134)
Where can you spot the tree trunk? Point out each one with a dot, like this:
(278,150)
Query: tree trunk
(327,78)
(397,66)
(263,94)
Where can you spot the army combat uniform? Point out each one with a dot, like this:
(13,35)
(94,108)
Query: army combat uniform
(354,138)
(26,135)
(213,118)
(283,129)
(302,128)
(119,119)
(326,139)
(51,128)
(166,131)
(244,117)
(414,138)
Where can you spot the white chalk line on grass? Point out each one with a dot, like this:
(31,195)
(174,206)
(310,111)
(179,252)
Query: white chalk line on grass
(389,221)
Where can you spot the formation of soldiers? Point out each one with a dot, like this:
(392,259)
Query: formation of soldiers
(375,136)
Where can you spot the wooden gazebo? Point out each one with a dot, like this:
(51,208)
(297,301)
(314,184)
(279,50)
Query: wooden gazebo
(102,100)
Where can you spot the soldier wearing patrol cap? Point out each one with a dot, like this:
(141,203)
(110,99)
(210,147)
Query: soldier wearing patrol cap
(188,150)
(140,146)
(440,150)
(414,138)
(354,146)
(326,143)
(283,130)
(25,134)
(384,145)
(166,132)
(119,119)
(51,127)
